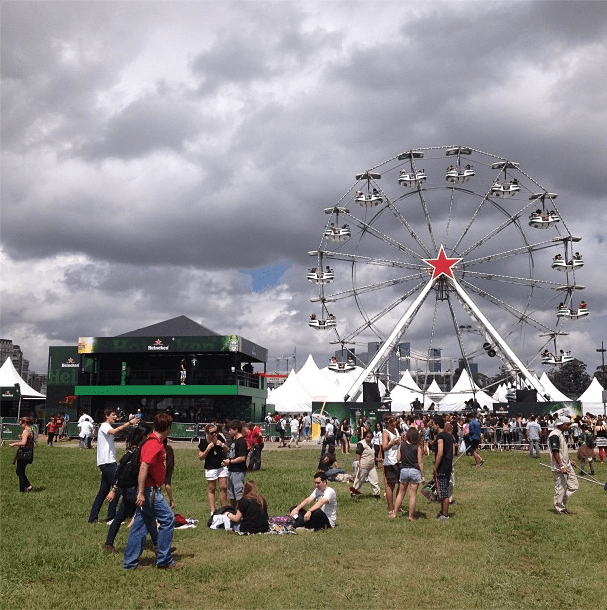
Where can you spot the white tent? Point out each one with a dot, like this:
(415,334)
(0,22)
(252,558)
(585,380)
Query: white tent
(555,395)
(592,398)
(345,382)
(463,390)
(9,377)
(291,397)
(316,384)
(406,392)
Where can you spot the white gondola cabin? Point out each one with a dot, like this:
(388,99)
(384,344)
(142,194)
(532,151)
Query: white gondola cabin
(459,176)
(551,359)
(334,233)
(560,264)
(341,367)
(543,220)
(410,179)
(321,277)
(505,189)
(565,313)
(320,324)
(368,200)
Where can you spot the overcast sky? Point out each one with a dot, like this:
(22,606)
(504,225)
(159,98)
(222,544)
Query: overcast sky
(169,158)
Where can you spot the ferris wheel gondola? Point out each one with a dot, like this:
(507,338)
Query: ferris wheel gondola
(455,245)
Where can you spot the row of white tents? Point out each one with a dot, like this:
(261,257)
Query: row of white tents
(9,377)
(312,384)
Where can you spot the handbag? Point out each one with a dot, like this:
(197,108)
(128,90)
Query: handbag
(25,453)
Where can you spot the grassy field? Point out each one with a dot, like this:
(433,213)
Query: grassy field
(504,547)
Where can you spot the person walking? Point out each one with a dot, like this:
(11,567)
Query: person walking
(152,508)
(390,442)
(365,456)
(474,437)
(565,481)
(533,436)
(25,452)
(106,461)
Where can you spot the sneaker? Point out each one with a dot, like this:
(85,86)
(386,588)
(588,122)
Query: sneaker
(172,566)
(109,522)
(442,517)
(109,548)
(355,492)
(28,489)
(481,462)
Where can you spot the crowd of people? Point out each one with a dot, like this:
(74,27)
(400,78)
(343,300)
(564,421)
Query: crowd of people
(395,446)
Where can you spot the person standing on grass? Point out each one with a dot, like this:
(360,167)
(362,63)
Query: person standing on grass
(565,481)
(152,507)
(26,441)
(236,462)
(51,426)
(365,456)
(443,465)
(323,513)
(390,442)
(474,436)
(85,430)
(411,459)
(106,461)
(212,450)
(533,436)
(255,445)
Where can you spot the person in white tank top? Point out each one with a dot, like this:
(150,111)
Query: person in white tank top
(390,443)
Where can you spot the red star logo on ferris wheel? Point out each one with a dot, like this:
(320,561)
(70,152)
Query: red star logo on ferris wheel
(442,265)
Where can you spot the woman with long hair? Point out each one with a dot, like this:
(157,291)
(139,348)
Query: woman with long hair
(345,436)
(25,452)
(251,511)
(411,458)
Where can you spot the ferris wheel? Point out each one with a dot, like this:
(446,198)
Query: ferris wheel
(449,234)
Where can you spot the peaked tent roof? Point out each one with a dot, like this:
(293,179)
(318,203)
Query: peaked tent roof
(315,383)
(593,393)
(291,397)
(9,377)
(463,390)
(555,394)
(181,326)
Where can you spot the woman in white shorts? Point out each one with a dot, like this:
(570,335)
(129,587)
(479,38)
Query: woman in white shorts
(212,450)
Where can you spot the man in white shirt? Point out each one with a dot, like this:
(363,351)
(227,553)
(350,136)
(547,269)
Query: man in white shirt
(85,432)
(323,513)
(294,432)
(86,417)
(533,436)
(106,460)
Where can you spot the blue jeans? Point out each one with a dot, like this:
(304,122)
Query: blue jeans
(108,474)
(145,518)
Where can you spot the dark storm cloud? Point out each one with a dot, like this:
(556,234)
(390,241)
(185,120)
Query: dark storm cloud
(151,150)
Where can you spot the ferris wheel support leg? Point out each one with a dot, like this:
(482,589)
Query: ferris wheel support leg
(384,352)
(492,334)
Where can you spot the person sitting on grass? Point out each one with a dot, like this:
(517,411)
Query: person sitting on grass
(252,512)
(329,466)
(323,513)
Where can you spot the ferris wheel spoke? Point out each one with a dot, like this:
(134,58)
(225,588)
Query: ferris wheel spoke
(369,229)
(371,321)
(368,260)
(523,250)
(408,227)
(512,279)
(336,296)
(520,315)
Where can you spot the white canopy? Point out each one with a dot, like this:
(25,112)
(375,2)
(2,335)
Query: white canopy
(406,392)
(291,397)
(464,390)
(592,398)
(555,395)
(9,377)
(316,384)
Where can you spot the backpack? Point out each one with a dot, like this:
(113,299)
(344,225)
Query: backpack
(127,472)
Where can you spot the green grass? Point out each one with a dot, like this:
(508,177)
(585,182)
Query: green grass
(503,547)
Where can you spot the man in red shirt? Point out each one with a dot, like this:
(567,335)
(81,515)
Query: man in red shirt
(255,444)
(152,505)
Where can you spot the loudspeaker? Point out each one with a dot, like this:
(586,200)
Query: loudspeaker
(370,392)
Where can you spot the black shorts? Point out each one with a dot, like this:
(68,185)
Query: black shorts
(474,445)
(392,473)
